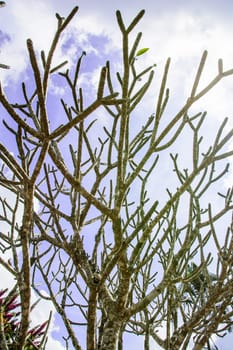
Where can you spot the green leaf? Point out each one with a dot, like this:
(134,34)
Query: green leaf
(142,51)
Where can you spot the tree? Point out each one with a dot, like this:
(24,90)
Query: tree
(112,254)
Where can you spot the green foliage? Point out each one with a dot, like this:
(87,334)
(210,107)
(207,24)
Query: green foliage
(142,51)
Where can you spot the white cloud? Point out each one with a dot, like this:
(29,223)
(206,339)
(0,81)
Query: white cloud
(40,314)
(21,21)
(181,34)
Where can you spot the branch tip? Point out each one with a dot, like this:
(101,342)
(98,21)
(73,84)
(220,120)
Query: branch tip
(220,66)
(120,21)
(135,20)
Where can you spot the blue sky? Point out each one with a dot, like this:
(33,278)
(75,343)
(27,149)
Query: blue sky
(179,29)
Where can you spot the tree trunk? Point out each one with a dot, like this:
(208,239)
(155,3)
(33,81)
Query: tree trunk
(110,335)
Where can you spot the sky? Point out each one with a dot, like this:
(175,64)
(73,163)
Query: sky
(181,30)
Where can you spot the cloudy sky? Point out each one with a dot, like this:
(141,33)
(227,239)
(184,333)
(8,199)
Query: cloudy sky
(181,30)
